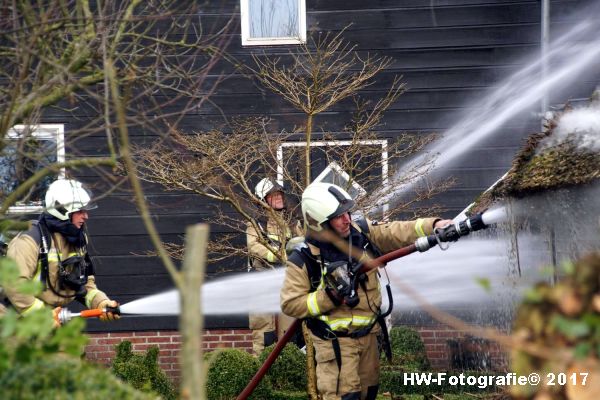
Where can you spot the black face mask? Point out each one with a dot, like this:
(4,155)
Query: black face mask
(72,234)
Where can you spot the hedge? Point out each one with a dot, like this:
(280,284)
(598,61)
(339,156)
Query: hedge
(63,378)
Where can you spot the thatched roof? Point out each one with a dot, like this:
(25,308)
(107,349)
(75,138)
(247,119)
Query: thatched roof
(539,167)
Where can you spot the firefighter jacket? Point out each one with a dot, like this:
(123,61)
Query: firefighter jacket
(25,251)
(260,255)
(302,299)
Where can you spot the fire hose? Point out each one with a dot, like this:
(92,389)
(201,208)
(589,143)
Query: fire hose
(64,315)
(449,233)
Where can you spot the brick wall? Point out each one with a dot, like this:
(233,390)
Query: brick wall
(101,348)
(436,339)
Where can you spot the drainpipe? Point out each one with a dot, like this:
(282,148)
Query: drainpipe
(544,41)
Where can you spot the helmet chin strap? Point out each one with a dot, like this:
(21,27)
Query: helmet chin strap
(349,247)
(71,233)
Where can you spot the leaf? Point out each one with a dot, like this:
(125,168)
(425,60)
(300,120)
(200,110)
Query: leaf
(36,325)
(582,350)
(68,338)
(485,284)
(532,295)
(9,272)
(568,267)
(31,287)
(8,324)
(593,320)
(9,277)
(572,329)
(547,271)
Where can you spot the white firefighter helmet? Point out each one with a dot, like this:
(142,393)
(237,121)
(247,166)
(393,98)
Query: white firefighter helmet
(66,196)
(323,201)
(265,187)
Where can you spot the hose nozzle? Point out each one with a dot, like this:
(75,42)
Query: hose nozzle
(64,315)
(451,233)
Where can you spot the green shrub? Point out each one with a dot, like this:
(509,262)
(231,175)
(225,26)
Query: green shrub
(408,349)
(142,371)
(287,395)
(39,362)
(62,378)
(288,372)
(228,374)
(24,340)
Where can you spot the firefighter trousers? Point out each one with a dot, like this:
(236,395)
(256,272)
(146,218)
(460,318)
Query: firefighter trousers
(266,329)
(359,372)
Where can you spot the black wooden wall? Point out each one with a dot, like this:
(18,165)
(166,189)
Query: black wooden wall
(448,51)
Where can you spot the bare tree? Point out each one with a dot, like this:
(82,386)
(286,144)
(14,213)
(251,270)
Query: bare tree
(219,165)
(319,77)
(110,66)
(55,60)
(107,67)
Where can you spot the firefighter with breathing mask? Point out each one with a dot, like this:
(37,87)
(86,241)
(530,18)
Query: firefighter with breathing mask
(343,309)
(265,327)
(54,251)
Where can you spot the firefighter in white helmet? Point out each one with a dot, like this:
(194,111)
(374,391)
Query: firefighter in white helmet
(343,311)
(262,249)
(54,251)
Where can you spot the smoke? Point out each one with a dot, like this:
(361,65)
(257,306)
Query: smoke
(580,126)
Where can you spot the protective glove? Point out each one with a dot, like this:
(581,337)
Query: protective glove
(107,315)
(56,322)
(446,230)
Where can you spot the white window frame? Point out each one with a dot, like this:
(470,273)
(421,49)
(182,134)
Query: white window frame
(42,131)
(334,166)
(271,41)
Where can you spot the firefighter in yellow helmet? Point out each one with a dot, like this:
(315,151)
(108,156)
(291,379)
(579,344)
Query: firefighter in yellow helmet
(266,328)
(343,312)
(54,251)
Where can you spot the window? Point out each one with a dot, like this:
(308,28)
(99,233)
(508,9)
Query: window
(27,150)
(273,22)
(332,172)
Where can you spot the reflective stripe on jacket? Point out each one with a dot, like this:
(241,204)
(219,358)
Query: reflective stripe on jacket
(299,300)
(25,251)
(260,253)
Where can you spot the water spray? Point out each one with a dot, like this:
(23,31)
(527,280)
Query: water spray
(64,315)
(571,55)
(449,233)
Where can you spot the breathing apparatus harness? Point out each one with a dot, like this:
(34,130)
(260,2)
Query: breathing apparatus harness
(73,272)
(342,280)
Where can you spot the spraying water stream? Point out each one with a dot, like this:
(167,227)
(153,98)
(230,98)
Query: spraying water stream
(444,281)
(570,55)
(451,279)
